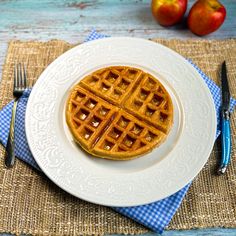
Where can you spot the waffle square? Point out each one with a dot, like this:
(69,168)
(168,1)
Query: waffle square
(151,102)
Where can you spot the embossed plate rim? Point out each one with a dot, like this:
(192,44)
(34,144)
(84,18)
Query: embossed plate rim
(143,187)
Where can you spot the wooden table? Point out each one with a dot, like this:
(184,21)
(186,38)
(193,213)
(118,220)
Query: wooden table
(72,20)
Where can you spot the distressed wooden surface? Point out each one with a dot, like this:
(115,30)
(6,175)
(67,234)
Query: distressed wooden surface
(72,20)
(202,232)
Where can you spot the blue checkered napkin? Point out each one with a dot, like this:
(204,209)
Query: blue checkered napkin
(216,94)
(155,216)
(21,146)
(94,35)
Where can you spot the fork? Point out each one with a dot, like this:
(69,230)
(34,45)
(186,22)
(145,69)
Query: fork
(19,87)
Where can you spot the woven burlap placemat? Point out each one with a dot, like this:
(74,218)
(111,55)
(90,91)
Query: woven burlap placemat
(30,203)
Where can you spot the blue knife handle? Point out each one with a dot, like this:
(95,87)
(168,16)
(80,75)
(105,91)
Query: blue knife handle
(226,145)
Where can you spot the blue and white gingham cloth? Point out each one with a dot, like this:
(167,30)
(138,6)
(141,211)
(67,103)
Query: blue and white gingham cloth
(22,150)
(155,216)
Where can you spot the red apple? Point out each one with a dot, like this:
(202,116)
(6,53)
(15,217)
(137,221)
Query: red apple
(168,12)
(206,16)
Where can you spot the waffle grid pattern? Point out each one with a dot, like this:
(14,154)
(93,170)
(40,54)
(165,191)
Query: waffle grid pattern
(115,83)
(151,102)
(125,132)
(128,134)
(88,115)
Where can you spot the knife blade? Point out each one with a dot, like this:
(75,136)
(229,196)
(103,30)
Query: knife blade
(225,88)
(225,122)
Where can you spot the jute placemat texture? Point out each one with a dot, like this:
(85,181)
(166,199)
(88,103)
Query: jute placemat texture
(30,203)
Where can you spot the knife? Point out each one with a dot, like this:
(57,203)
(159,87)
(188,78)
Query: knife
(225,122)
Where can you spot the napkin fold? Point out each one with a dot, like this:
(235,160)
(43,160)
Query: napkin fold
(155,216)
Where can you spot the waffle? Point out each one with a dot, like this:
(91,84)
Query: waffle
(119,113)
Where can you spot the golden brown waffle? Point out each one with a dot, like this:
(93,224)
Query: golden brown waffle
(119,113)
(113,83)
(151,102)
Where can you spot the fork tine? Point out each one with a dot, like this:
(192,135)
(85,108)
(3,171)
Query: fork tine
(19,78)
(24,77)
(15,77)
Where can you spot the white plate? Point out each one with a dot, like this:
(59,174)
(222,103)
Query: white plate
(152,177)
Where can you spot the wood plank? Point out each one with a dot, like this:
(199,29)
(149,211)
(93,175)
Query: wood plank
(200,232)
(73,20)
(195,232)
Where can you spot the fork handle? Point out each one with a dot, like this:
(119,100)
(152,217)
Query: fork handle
(10,148)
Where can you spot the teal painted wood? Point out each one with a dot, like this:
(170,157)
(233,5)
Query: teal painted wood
(72,20)
(196,232)
(201,232)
